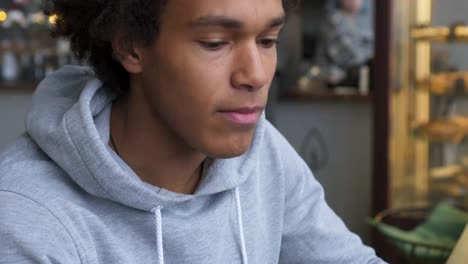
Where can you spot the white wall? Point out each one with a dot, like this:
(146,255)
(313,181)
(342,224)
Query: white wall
(347,131)
(13,109)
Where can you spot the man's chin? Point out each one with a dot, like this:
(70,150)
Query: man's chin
(230,151)
(231,155)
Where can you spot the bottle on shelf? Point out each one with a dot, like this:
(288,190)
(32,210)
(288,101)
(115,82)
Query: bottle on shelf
(10,68)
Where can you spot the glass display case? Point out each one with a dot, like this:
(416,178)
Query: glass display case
(428,123)
(420,125)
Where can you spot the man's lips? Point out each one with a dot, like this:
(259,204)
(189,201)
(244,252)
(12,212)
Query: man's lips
(243,115)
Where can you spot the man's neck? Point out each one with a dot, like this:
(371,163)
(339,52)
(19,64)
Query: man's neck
(154,152)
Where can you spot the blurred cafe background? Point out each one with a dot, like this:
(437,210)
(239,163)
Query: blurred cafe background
(371,93)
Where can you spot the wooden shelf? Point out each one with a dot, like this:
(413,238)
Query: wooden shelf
(18,86)
(320,97)
(441,34)
(48,51)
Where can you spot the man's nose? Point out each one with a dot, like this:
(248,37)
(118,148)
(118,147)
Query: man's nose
(249,68)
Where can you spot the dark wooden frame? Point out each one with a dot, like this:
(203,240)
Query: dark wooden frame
(382,85)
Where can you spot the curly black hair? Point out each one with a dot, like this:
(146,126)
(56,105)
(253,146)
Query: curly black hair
(90,25)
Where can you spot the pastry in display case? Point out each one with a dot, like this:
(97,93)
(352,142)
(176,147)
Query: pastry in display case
(445,83)
(453,129)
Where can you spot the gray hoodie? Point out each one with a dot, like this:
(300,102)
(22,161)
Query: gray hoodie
(66,197)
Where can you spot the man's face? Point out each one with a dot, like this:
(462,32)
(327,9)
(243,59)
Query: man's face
(208,73)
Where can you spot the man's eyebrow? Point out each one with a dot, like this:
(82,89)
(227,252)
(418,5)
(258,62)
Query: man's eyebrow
(230,23)
(277,22)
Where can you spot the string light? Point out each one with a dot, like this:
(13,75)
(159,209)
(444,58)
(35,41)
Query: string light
(53,19)
(3,15)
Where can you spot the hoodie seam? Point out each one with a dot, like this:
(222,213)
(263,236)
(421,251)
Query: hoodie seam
(82,160)
(75,243)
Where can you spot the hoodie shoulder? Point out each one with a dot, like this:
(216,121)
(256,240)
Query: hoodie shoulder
(27,170)
(280,168)
(32,234)
(30,230)
(278,148)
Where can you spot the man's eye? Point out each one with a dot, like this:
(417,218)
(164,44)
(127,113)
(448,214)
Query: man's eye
(268,43)
(212,45)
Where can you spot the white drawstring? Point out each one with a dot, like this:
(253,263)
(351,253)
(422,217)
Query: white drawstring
(241,227)
(159,237)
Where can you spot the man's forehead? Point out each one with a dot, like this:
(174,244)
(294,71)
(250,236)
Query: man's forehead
(232,23)
(232,13)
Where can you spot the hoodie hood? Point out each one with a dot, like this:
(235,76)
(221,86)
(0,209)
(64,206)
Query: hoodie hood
(69,120)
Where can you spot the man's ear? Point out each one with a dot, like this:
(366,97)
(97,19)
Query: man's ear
(128,53)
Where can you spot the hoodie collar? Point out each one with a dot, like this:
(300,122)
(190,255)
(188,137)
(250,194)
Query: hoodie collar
(69,120)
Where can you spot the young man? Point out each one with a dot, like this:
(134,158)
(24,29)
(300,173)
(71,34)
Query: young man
(161,153)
